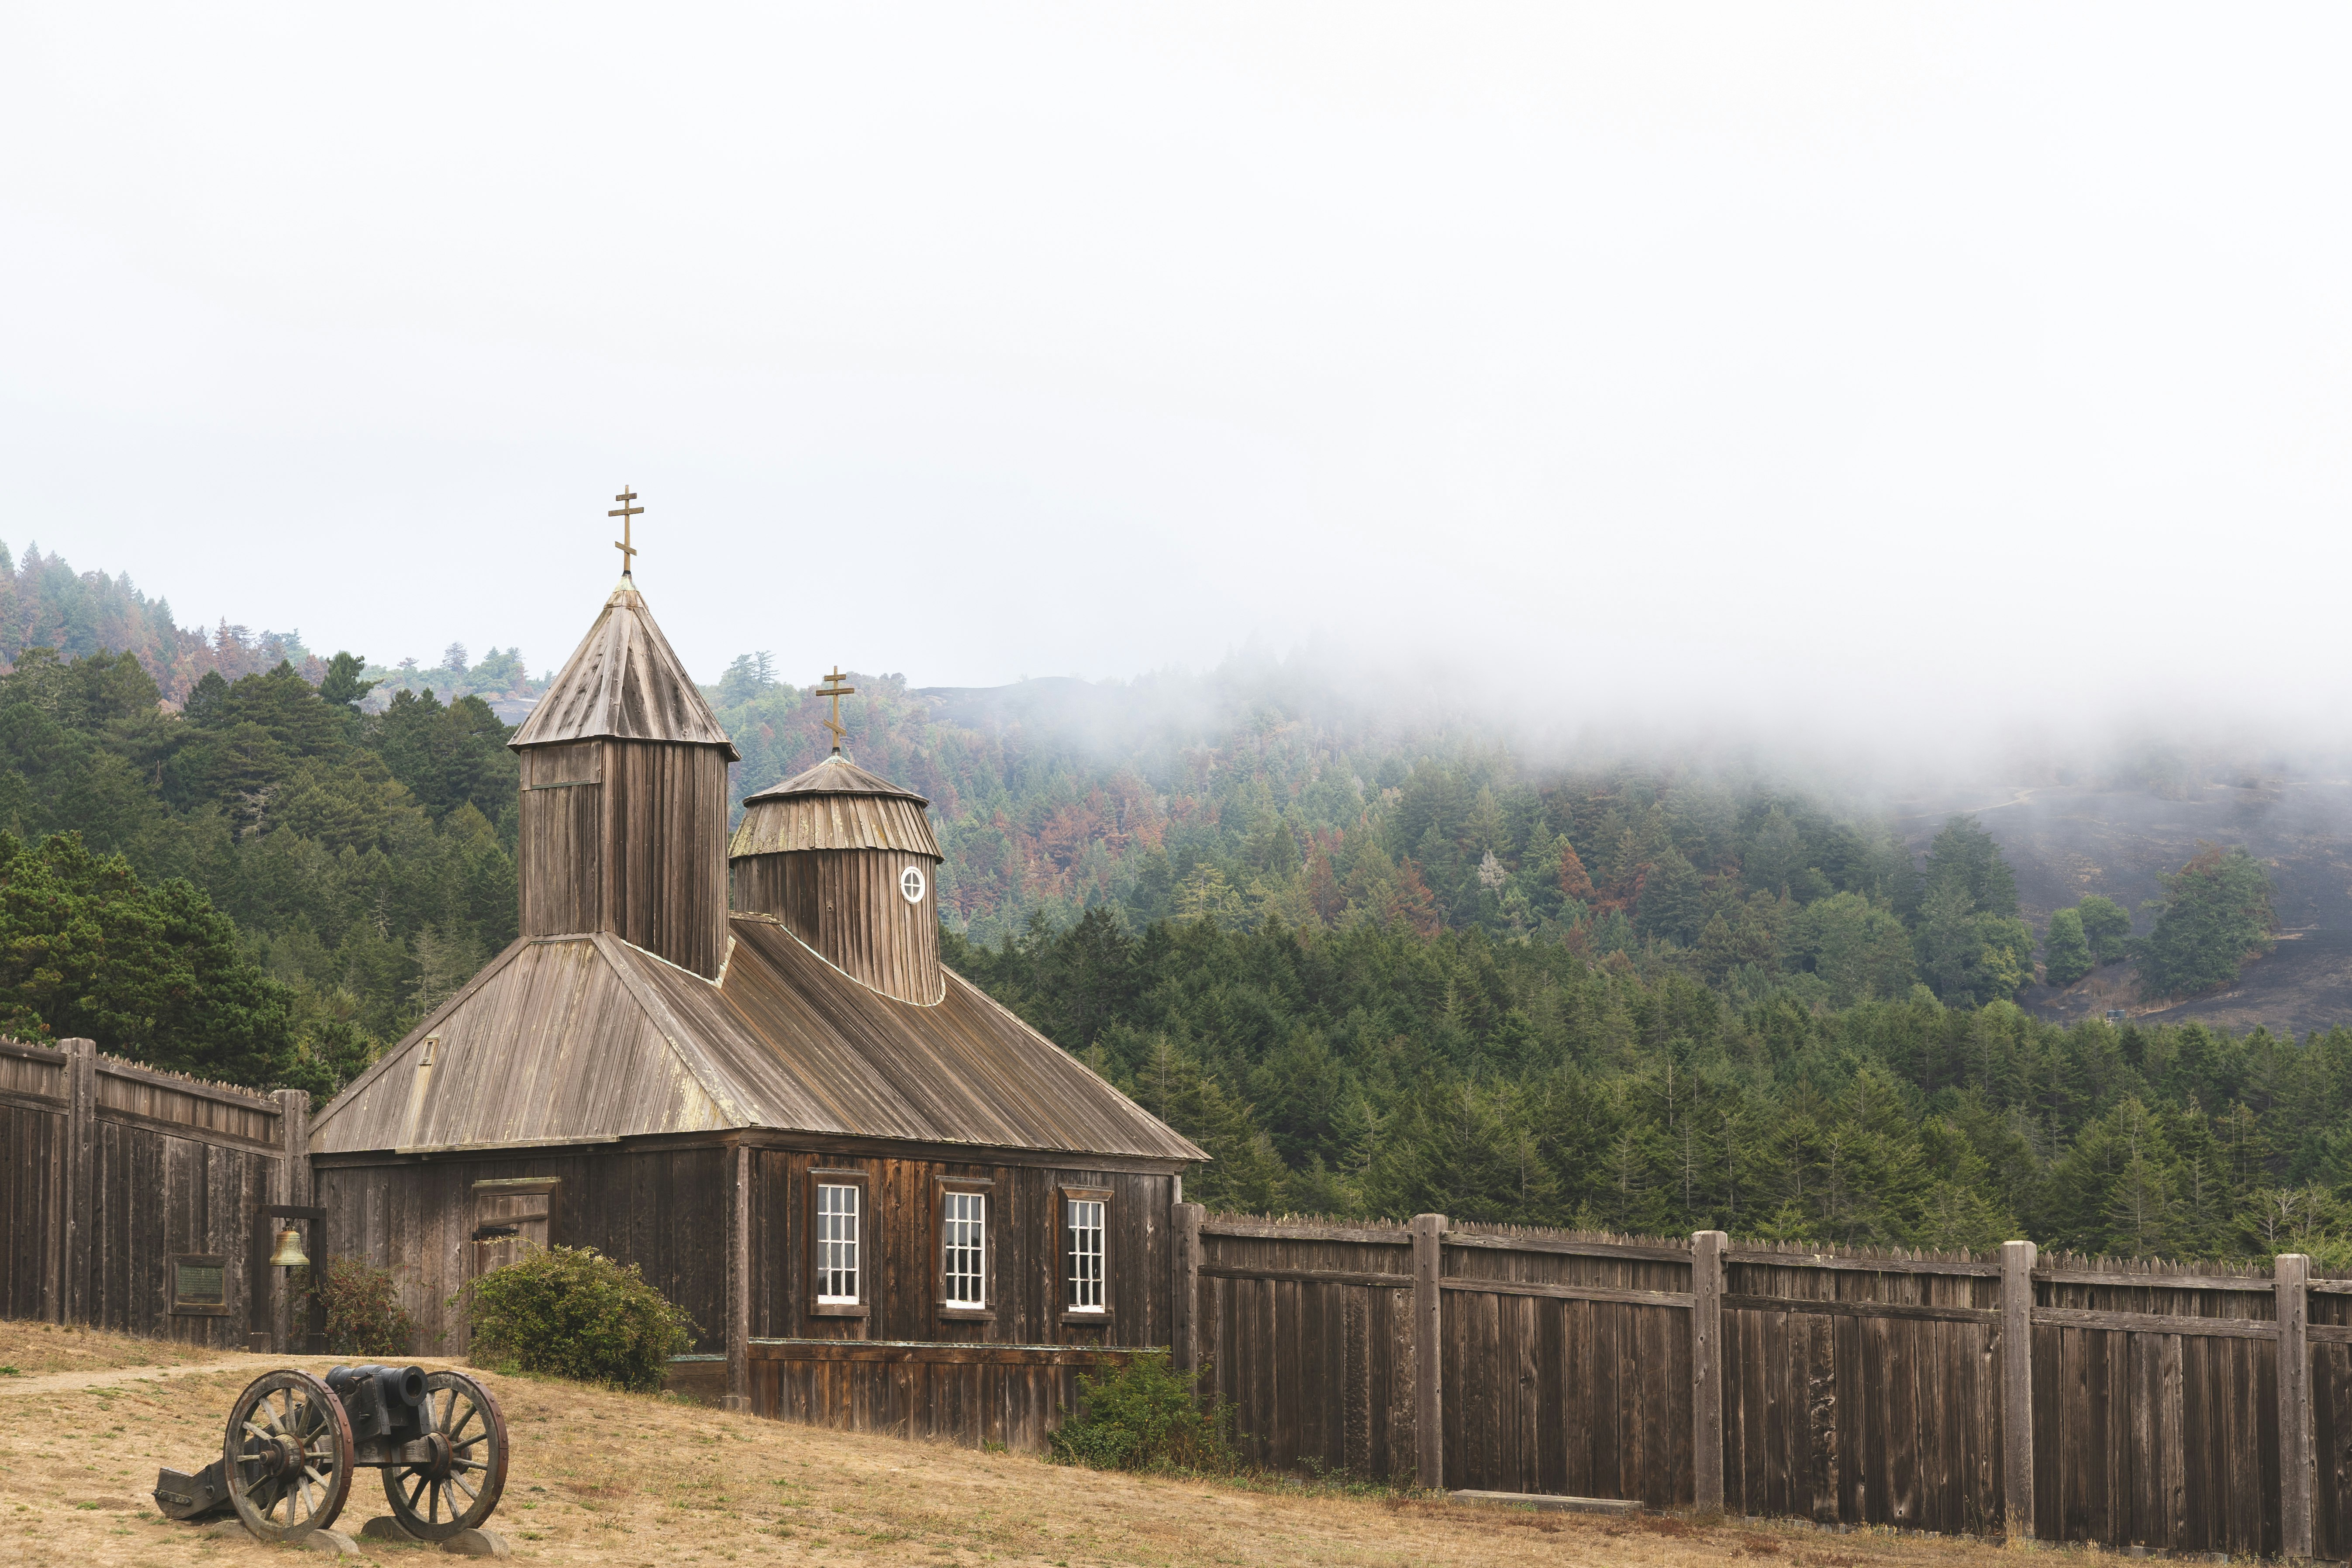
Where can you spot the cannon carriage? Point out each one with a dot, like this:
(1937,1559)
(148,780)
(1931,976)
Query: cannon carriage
(294,1441)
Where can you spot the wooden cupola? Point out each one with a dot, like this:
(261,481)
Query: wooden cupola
(625,797)
(847,861)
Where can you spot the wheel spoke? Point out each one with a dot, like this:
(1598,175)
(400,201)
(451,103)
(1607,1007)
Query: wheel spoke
(472,1410)
(417,1491)
(468,1465)
(471,1495)
(433,1504)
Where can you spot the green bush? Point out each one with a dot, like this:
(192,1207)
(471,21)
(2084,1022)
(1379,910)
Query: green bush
(1144,1416)
(574,1312)
(364,1317)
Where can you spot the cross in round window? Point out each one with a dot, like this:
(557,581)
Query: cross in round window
(910,884)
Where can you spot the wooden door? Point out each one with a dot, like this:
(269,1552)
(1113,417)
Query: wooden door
(510,1217)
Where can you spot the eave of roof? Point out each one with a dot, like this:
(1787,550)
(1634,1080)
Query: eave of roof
(561,1044)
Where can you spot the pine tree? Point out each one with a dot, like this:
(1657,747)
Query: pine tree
(2067,952)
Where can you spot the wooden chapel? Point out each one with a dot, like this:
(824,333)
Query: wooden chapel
(884,1200)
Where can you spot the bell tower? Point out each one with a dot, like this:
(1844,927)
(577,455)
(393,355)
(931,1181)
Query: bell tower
(625,792)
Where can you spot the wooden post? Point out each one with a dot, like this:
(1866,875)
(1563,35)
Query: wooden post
(1706,1370)
(2293,1274)
(1428,1364)
(1188,1286)
(2017,1385)
(290,1184)
(81,1216)
(739,1285)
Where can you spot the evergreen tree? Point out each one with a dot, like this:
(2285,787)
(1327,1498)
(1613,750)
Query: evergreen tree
(2217,913)
(2067,952)
(2106,926)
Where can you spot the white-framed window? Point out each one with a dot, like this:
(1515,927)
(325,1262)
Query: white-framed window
(1082,1236)
(910,884)
(837,1242)
(963,1248)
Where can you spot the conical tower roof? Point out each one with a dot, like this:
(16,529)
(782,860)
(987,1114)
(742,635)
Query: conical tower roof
(623,681)
(834,775)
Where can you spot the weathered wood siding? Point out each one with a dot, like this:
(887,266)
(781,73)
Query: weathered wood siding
(663,1209)
(1319,1371)
(1012,1395)
(627,837)
(2162,1440)
(1556,1394)
(1855,1388)
(2331,1404)
(562,832)
(109,1171)
(847,905)
(1025,1222)
(33,1124)
(1859,1420)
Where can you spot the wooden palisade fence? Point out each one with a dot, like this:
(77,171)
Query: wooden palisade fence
(2202,1409)
(141,1199)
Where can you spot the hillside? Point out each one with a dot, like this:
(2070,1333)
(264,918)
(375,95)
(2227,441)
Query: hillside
(1374,961)
(603,1478)
(2066,840)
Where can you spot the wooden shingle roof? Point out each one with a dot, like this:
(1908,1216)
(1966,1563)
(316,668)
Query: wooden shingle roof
(625,681)
(836,804)
(587,1037)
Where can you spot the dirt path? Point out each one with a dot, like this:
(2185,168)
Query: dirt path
(251,1365)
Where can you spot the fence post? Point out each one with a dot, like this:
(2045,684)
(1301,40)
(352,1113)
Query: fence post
(2017,1385)
(739,1283)
(288,1184)
(82,1170)
(1428,1367)
(2293,1274)
(1188,1286)
(1706,1370)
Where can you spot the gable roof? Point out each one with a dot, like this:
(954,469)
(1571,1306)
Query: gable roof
(565,1039)
(624,680)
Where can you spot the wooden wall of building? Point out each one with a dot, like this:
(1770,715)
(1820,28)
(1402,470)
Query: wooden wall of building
(661,1208)
(628,837)
(665,1209)
(1024,1306)
(846,904)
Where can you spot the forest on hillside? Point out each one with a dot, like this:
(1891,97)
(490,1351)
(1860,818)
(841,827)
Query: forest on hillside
(1373,967)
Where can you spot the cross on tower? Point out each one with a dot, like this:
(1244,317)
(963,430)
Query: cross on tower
(625,512)
(831,686)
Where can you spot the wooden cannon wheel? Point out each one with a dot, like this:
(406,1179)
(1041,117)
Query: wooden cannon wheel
(286,1455)
(460,1485)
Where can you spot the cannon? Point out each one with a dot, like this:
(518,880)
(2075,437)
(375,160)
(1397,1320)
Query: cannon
(293,1441)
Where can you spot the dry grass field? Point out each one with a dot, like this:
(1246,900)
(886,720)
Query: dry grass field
(600,1477)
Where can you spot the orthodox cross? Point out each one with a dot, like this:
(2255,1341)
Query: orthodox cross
(625,512)
(831,686)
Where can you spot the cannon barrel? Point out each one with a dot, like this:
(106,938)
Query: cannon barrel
(398,1387)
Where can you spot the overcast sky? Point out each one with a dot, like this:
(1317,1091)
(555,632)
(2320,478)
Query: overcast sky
(1885,355)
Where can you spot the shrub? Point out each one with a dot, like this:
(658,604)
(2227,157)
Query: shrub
(364,1317)
(1144,1416)
(577,1313)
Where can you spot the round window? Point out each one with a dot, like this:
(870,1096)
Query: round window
(910,883)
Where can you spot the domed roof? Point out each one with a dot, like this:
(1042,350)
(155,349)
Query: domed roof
(836,804)
(834,775)
(623,681)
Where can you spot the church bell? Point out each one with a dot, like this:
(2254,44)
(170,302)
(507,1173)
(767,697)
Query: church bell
(289,1250)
